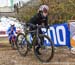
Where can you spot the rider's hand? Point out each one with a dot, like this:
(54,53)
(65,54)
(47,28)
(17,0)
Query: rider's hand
(47,27)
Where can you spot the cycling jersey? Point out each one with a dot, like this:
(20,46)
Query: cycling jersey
(39,19)
(11,32)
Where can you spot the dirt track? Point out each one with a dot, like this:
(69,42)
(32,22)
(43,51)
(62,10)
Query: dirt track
(12,57)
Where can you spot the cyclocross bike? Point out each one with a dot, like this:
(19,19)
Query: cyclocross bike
(13,41)
(24,45)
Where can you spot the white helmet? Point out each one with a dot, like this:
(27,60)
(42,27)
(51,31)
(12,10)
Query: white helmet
(43,7)
(12,23)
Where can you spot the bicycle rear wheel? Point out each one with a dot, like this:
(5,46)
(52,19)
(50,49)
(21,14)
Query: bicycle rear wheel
(22,44)
(46,49)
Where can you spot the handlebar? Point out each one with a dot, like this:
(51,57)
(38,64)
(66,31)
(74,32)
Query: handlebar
(38,26)
(35,26)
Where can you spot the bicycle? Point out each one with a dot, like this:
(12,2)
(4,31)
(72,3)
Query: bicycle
(13,42)
(23,45)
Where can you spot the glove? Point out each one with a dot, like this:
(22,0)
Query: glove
(47,27)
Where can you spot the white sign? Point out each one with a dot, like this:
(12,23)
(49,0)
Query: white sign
(56,34)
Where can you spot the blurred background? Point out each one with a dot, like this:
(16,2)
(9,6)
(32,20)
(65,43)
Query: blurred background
(60,10)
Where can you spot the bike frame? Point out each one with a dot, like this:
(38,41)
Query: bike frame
(36,33)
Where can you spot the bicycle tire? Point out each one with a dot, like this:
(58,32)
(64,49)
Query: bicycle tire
(52,51)
(20,52)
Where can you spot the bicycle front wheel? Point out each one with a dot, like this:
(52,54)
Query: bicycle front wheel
(45,47)
(22,44)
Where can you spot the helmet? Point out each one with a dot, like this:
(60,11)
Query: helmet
(12,23)
(44,8)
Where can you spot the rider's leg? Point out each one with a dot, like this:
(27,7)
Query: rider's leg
(10,39)
(38,47)
(14,38)
(37,50)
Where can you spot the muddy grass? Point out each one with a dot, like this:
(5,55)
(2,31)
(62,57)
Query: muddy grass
(11,57)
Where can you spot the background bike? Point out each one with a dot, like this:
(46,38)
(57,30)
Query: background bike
(13,41)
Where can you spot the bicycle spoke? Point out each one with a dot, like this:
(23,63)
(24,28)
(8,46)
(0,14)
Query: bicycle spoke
(22,44)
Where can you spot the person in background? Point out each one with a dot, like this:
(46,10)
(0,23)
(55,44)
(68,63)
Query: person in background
(11,31)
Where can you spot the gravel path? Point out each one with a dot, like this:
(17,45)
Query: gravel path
(12,57)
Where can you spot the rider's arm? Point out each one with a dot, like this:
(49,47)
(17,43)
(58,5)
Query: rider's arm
(14,30)
(33,19)
(46,22)
(9,30)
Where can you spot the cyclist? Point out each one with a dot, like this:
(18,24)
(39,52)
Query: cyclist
(40,18)
(11,31)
